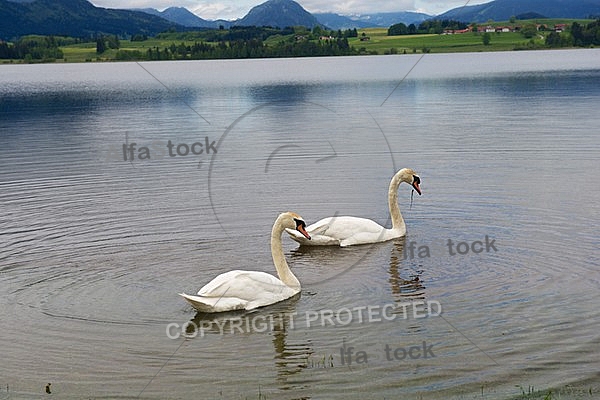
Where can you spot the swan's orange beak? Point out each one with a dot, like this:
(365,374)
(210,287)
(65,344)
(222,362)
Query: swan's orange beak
(415,185)
(300,228)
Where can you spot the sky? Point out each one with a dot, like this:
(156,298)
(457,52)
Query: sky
(233,9)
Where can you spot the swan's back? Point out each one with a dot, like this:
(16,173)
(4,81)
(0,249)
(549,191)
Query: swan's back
(344,226)
(245,285)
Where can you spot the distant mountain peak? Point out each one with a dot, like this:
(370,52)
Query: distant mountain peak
(279,13)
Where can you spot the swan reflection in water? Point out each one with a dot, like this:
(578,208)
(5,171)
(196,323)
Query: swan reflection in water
(404,289)
(277,320)
(261,320)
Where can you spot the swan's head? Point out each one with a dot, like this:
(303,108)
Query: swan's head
(411,177)
(292,220)
(415,183)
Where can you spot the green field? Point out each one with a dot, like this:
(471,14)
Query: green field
(86,52)
(380,43)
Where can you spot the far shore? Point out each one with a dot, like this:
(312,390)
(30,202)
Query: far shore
(370,41)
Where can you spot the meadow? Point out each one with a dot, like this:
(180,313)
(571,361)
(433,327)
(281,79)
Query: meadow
(380,43)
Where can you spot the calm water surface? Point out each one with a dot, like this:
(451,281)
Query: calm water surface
(95,245)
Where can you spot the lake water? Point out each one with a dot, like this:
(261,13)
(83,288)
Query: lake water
(96,246)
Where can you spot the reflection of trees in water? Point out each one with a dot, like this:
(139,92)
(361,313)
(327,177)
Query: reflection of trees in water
(403,289)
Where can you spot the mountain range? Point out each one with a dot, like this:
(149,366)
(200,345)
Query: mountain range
(183,16)
(79,18)
(503,10)
(268,14)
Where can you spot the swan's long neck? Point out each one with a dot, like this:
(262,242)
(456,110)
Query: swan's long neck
(283,270)
(397,220)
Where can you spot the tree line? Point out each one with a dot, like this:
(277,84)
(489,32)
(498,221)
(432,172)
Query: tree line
(242,48)
(578,35)
(247,42)
(254,32)
(435,26)
(34,47)
(237,42)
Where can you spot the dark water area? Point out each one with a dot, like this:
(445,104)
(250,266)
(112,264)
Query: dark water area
(493,290)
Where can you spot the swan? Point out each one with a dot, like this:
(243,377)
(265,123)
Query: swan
(347,231)
(247,290)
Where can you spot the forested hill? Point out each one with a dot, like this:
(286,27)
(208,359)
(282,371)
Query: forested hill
(77,18)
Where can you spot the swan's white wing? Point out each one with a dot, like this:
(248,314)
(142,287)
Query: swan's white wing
(354,230)
(318,227)
(242,284)
(343,227)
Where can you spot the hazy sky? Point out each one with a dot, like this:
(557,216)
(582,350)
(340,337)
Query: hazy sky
(232,9)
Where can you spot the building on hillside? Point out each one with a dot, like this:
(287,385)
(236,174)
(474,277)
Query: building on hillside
(560,28)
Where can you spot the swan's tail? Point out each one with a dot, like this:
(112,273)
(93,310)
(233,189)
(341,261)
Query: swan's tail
(214,304)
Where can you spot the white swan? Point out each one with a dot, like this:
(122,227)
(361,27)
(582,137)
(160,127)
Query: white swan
(347,231)
(246,290)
